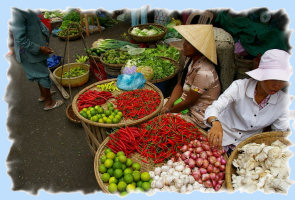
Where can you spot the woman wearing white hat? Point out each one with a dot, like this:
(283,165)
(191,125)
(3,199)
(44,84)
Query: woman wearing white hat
(250,105)
(200,86)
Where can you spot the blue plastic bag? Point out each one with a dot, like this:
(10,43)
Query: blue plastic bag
(130,81)
(53,61)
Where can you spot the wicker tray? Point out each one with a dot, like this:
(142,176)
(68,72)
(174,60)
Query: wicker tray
(72,37)
(145,167)
(266,138)
(111,69)
(153,38)
(123,122)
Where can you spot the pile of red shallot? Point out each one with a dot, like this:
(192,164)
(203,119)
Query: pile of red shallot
(207,164)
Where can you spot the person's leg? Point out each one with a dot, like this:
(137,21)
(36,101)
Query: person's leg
(42,93)
(45,93)
(45,84)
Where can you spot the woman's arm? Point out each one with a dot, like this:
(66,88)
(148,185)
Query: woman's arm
(176,93)
(190,100)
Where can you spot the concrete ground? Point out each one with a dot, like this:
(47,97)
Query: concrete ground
(49,152)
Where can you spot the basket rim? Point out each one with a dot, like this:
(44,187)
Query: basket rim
(145,25)
(133,122)
(84,64)
(109,65)
(272,134)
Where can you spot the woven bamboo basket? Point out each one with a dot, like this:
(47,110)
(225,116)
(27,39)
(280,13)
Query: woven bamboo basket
(136,157)
(111,69)
(74,81)
(95,131)
(71,115)
(267,138)
(153,38)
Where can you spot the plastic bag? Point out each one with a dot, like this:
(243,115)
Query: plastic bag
(130,81)
(129,70)
(132,50)
(147,72)
(53,60)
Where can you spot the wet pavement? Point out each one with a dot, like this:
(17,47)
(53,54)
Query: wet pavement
(49,152)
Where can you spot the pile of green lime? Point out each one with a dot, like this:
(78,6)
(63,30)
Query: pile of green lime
(98,114)
(122,174)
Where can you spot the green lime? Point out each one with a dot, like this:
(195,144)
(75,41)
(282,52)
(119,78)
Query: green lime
(97,107)
(108,163)
(128,171)
(105,119)
(122,186)
(123,166)
(100,120)
(115,121)
(110,171)
(107,112)
(121,179)
(136,175)
(118,117)
(93,112)
(84,109)
(103,158)
(139,189)
(116,159)
(105,177)
(109,121)
(113,114)
(145,176)
(122,194)
(111,155)
(122,158)
(139,183)
(135,166)
(99,116)
(110,105)
(128,178)
(151,180)
(118,173)
(100,111)
(111,109)
(90,108)
(120,113)
(102,169)
(113,180)
(107,150)
(117,165)
(130,188)
(103,115)
(111,117)
(120,153)
(146,186)
(95,118)
(112,188)
(116,111)
(128,162)
(88,112)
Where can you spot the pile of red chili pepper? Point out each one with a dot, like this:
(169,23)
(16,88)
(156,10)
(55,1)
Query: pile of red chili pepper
(138,103)
(125,139)
(92,98)
(164,136)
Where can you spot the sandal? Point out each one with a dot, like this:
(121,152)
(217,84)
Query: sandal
(43,99)
(56,105)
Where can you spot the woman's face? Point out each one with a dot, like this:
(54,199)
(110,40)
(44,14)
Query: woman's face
(273,86)
(188,49)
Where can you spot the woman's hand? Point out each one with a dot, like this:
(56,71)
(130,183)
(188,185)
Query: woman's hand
(46,50)
(215,134)
(165,109)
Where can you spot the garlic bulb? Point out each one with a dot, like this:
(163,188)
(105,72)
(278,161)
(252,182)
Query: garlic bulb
(157,171)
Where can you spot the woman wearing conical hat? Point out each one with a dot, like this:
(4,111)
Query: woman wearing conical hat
(199,85)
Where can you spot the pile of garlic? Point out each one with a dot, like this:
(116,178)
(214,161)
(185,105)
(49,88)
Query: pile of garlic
(262,167)
(175,177)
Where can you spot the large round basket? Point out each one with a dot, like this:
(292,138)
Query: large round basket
(71,37)
(74,81)
(123,122)
(145,167)
(153,38)
(177,67)
(111,69)
(267,138)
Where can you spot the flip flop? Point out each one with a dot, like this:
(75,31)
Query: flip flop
(51,92)
(57,104)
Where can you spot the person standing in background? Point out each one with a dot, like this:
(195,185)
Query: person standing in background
(31,49)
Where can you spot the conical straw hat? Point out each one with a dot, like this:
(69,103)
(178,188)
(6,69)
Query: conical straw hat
(201,36)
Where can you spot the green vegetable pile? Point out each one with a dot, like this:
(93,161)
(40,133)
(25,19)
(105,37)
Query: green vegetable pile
(72,15)
(74,72)
(53,14)
(108,44)
(150,31)
(114,56)
(162,50)
(72,32)
(69,24)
